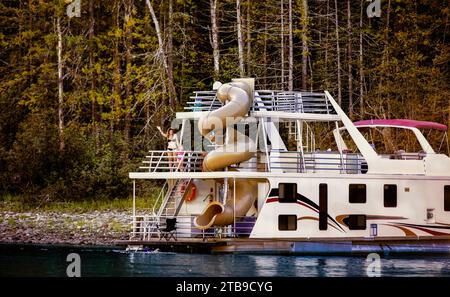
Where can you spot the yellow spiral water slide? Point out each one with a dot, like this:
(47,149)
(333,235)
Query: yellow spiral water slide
(237,100)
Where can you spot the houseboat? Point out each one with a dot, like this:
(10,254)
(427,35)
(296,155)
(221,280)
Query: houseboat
(265,171)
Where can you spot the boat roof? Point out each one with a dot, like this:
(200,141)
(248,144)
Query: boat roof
(401,123)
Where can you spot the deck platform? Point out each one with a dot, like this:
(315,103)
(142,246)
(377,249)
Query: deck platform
(341,246)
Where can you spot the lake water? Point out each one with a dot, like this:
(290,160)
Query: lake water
(33,260)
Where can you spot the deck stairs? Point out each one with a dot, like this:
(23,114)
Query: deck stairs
(174,199)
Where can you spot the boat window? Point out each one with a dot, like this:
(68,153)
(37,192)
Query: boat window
(447,198)
(287,222)
(357,193)
(287,192)
(390,195)
(356,222)
(393,143)
(323,207)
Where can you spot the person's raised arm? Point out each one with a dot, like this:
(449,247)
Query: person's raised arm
(160,131)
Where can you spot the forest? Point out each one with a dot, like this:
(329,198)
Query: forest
(81,96)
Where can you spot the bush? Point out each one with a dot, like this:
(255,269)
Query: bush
(90,166)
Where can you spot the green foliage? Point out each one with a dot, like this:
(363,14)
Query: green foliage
(115,86)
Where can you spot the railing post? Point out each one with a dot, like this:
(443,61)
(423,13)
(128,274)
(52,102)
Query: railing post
(151,162)
(134,207)
(159,161)
(265,144)
(343,169)
(234,206)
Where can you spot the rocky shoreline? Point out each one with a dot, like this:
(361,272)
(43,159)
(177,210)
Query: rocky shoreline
(91,228)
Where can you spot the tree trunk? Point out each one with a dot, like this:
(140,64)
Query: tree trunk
(327,38)
(349,59)
(128,60)
(361,65)
(265,47)
(240,39)
(448,120)
(385,59)
(249,39)
(291,50)
(94,119)
(338,54)
(304,11)
(215,38)
(163,56)
(170,55)
(386,40)
(282,43)
(115,99)
(60,88)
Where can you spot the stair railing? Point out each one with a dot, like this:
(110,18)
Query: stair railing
(160,196)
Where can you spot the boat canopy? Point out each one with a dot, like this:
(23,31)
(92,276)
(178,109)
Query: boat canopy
(401,123)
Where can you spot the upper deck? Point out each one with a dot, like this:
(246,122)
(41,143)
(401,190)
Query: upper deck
(158,164)
(271,156)
(269,103)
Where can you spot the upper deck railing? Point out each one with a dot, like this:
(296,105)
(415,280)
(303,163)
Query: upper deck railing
(173,161)
(269,100)
(275,161)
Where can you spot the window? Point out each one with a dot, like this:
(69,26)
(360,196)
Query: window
(356,222)
(287,222)
(357,193)
(447,198)
(390,195)
(323,207)
(287,192)
(364,167)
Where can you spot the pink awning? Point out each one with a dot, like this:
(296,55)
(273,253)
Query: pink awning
(402,123)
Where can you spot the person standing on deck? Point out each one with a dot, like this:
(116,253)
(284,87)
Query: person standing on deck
(172,145)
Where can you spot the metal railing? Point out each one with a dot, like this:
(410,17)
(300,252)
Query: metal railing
(152,226)
(307,162)
(269,100)
(203,101)
(315,162)
(274,161)
(162,195)
(302,102)
(173,161)
(175,198)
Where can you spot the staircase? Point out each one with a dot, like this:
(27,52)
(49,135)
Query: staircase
(170,207)
(174,198)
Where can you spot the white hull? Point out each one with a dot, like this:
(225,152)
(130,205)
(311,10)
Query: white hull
(267,190)
(408,219)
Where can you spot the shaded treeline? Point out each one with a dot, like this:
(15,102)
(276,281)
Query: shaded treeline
(81,98)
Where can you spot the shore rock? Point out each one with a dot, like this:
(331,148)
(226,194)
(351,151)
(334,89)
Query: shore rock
(98,227)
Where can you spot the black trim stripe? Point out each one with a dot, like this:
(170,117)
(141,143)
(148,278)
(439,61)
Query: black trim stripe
(274,192)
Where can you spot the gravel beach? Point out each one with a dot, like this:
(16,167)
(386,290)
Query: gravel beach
(46,227)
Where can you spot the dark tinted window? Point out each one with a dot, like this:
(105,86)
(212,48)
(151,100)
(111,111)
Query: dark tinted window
(287,192)
(357,193)
(390,195)
(287,222)
(357,222)
(323,207)
(447,198)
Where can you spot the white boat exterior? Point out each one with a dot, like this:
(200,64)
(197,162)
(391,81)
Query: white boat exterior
(307,193)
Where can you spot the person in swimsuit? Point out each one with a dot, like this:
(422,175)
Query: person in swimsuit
(172,145)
